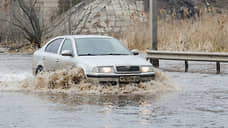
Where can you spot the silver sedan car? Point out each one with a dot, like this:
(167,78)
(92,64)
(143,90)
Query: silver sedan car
(103,59)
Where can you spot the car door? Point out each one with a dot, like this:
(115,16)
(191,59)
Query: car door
(67,62)
(50,58)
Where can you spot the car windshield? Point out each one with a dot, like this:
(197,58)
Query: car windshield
(100,46)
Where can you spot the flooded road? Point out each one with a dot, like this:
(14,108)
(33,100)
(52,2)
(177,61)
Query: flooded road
(201,101)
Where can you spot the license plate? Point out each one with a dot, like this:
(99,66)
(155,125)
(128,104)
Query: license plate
(129,79)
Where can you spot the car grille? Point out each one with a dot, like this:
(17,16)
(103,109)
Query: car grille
(127,69)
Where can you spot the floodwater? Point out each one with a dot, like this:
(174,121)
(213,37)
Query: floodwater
(200,102)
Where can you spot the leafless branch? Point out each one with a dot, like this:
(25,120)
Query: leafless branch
(28,21)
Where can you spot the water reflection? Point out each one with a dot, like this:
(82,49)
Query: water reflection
(145,112)
(108,107)
(108,101)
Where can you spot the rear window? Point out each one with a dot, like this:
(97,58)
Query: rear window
(54,46)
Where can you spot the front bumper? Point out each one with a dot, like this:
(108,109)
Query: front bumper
(115,79)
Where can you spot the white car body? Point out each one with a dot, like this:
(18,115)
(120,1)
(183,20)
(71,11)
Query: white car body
(56,61)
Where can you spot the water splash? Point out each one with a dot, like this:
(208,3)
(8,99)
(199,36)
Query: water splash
(74,81)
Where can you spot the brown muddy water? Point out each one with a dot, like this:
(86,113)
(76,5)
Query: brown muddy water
(198,99)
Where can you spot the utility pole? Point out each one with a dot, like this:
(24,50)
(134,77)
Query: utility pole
(69,18)
(154,29)
(9,14)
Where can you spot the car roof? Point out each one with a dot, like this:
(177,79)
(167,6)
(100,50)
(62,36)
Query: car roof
(84,36)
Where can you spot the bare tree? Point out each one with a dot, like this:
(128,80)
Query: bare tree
(29,21)
(26,17)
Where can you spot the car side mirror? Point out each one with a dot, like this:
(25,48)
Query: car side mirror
(67,53)
(135,52)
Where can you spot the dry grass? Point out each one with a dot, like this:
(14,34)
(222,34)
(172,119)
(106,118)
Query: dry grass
(209,33)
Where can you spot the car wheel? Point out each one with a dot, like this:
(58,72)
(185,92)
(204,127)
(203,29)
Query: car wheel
(39,70)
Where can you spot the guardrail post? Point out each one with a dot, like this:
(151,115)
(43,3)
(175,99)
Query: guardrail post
(186,66)
(218,67)
(155,62)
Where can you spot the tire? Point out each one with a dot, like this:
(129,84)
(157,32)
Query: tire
(39,70)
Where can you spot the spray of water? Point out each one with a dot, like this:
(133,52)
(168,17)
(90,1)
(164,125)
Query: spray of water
(74,81)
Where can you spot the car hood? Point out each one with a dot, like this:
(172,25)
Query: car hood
(113,60)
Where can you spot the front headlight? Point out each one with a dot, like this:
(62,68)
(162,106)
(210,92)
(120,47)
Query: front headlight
(106,69)
(145,69)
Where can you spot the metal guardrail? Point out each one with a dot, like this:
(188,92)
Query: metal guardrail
(188,56)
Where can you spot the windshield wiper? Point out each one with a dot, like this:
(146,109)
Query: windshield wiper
(116,54)
(88,54)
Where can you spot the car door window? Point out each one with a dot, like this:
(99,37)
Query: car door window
(67,45)
(54,46)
